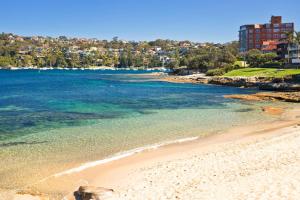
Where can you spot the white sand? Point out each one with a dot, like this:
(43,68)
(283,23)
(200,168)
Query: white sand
(263,167)
(261,161)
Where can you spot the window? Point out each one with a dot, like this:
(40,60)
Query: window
(268,25)
(276,25)
(276,30)
(257,46)
(269,36)
(283,35)
(250,30)
(276,36)
(269,30)
(257,30)
(289,25)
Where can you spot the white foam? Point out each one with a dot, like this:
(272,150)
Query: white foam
(122,155)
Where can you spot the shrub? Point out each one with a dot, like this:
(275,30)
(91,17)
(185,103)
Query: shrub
(222,71)
(273,64)
(216,72)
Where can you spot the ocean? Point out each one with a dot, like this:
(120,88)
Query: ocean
(61,121)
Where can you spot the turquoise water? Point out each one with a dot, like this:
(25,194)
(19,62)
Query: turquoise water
(51,121)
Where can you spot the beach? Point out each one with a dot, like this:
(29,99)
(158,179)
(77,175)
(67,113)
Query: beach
(136,130)
(261,162)
(264,168)
(149,106)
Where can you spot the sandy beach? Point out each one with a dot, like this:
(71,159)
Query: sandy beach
(253,162)
(259,165)
(261,168)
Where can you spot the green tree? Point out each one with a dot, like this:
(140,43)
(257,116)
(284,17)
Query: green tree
(184,62)
(123,60)
(256,58)
(5,61)
(155,62)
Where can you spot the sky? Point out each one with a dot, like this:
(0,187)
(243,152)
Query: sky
(196,20)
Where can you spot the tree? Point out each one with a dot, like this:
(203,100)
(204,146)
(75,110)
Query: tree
(184,62)
(253,57)
(5,61)
(172,64)
(123,60)
(297,41)
(292,37)
(155,62)
(129,59)
(199,62)
(138,61)
(256,58)
(233,47)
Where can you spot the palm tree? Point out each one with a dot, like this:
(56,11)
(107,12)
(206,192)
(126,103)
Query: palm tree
(297,36)
(290,38)
(297,41)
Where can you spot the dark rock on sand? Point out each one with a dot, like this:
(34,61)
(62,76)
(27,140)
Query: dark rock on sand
(90,192)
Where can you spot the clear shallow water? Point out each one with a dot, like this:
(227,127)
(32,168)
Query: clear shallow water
(51,121)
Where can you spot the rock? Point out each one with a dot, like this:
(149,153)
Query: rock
(245,82)
(287,84)
(287,87)
(269,96)
(196,78)
(246,97)
(91,192)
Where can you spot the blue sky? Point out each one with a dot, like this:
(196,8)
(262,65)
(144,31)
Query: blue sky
(196,20)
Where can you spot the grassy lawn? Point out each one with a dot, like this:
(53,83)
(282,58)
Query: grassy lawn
(263,72)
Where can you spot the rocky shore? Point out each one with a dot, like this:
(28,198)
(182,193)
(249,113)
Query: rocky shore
(264,83)
(268,96)
(283,89)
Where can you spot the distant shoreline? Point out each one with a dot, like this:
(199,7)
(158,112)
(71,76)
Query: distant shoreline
(83,68)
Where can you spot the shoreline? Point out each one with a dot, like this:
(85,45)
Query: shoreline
(287,84)
(115,174)
(82,68)
(285,92)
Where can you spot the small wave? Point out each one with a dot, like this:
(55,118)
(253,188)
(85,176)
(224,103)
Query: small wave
(122,155)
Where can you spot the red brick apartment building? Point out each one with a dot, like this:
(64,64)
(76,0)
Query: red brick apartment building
(260,36)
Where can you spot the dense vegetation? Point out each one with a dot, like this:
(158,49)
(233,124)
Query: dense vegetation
(18,51)
(213,59)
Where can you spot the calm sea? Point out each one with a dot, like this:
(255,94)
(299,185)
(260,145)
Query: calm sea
(61,119)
